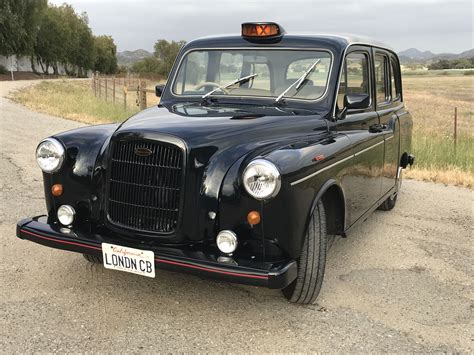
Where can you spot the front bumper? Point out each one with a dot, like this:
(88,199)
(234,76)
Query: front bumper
(195,262)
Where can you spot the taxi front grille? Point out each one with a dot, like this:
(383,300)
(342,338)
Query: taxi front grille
(145,184)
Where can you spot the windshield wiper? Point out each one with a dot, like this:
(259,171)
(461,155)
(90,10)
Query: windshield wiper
(298,83)
(237,81)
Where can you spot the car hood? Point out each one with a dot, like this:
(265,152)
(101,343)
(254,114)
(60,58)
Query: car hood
(221,126)
(223,133)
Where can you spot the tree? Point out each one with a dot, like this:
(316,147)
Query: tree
(461,63)
(166,53)
(85,49)
(149,65)
(80,52)
(19,21)
(19,24)
(106,55)
(53,34)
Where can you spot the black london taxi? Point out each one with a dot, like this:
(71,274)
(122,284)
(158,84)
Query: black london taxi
(264,147)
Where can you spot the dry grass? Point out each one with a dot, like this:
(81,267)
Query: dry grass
(73,100)
(430,98)
(431,101)
(451,176)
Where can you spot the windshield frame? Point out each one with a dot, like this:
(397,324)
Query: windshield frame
(251,97)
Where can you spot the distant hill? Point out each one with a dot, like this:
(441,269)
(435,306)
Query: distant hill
(413,55)
(127,58)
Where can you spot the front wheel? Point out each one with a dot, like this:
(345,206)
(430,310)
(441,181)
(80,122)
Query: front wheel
(312,262)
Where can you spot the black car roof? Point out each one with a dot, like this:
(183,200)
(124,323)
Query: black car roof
(336,41)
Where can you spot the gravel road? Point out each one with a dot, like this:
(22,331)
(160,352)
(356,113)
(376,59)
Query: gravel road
(401,282)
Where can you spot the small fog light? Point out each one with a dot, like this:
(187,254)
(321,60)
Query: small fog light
(66,215)
(226,241)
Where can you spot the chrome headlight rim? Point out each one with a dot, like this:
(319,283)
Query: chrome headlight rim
(273,171)
(60,151)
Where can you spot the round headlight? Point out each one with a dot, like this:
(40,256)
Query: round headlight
(50,155)
(227,241)
(66,215)
(262,179)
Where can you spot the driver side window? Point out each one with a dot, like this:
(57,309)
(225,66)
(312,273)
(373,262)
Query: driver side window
(354,77)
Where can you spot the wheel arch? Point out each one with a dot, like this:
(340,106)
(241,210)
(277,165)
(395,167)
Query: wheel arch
(334,202)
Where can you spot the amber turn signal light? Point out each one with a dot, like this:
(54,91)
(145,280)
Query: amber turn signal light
(253,218)
(57,189)
(260,29)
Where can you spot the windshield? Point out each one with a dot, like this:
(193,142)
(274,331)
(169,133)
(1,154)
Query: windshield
(270,73)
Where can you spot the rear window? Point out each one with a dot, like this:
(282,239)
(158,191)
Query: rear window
(381,79)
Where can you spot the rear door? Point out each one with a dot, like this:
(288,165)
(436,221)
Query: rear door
(362,185)
(388,102)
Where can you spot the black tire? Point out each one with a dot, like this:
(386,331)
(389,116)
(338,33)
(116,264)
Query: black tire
(390,202)
(92,259)
(312,262)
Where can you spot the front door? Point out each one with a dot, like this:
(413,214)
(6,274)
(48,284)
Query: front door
(362,185)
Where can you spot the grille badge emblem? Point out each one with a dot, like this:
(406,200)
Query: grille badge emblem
(143,152)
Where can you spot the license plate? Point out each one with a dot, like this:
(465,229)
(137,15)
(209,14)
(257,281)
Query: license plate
(136,261)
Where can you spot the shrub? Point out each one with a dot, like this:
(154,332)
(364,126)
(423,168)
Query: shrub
(3,70)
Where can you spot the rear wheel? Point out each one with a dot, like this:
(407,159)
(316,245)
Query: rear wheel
(312,262)
(390,202)
(92,259)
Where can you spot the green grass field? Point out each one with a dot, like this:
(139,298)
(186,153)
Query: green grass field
(431,99)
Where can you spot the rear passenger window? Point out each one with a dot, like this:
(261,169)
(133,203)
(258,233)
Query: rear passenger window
(395,80)
(381,82)
(354,77)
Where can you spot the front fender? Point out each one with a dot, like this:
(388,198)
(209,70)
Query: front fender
(308,169)
(80,175)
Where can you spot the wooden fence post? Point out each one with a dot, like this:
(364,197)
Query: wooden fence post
(94,84)
(124,95)
(99,85)
(105,88)
(455,128)
(113,89)
(143,95)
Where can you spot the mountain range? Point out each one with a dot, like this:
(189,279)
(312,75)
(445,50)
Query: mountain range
(127,58)
(411,55)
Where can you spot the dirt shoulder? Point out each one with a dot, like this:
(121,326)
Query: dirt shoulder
(24,75)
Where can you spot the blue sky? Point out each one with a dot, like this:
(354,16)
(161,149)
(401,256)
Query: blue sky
(436,25)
